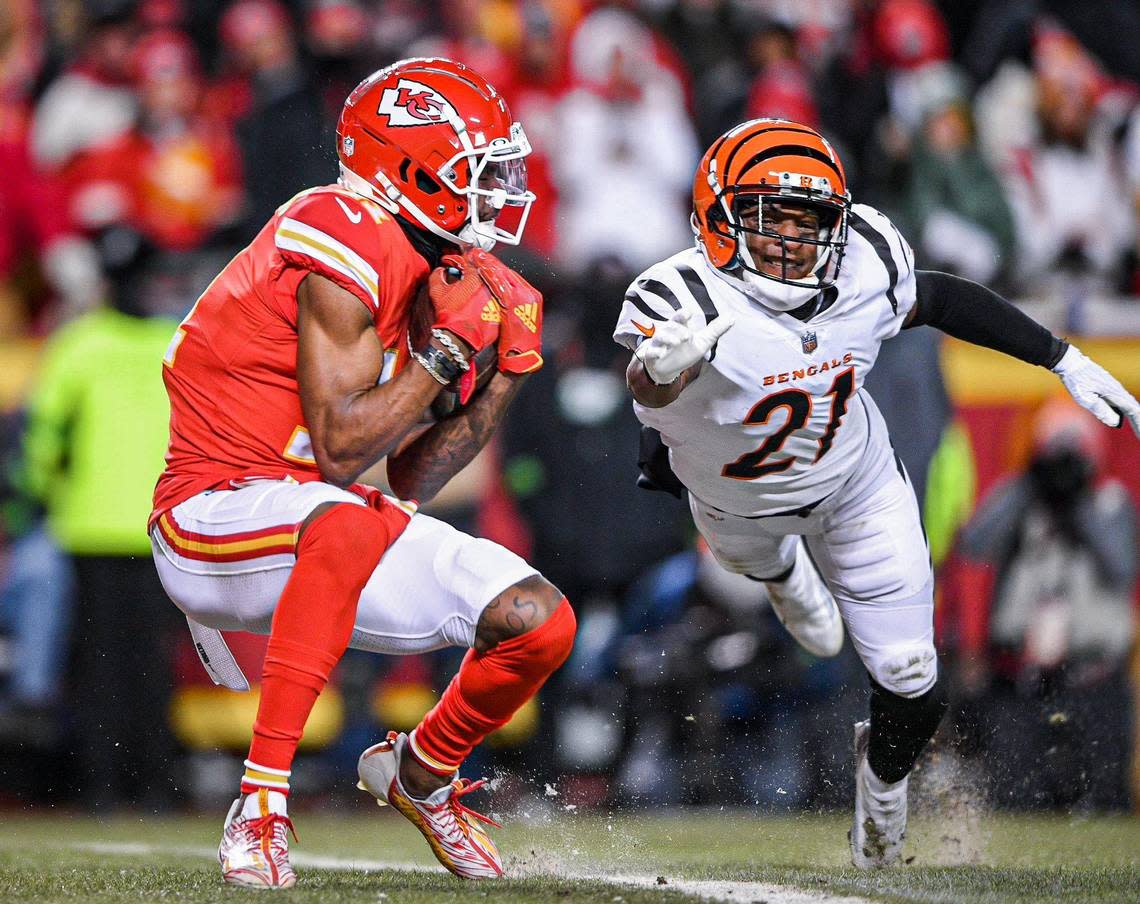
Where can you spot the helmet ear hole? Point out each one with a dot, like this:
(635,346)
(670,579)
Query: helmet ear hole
(718,222)
(426,183)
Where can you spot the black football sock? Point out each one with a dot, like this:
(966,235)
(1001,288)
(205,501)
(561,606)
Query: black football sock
(901,728)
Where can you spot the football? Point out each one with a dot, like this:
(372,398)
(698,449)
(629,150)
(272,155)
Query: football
(447,402)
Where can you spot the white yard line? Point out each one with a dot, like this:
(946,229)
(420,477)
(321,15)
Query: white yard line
(738,892)
(708,889)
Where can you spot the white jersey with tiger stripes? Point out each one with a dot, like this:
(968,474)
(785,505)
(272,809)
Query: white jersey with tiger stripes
(777,418)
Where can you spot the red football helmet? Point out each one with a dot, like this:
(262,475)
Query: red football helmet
(433,141)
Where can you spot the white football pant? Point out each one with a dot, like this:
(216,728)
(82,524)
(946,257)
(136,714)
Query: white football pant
(868,542)
(428,591)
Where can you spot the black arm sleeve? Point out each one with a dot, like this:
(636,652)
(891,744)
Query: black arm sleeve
(973,313)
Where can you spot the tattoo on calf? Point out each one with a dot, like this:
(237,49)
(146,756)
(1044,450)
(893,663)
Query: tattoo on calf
(523,617)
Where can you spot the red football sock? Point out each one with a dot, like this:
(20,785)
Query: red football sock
(489,689)
(313,622)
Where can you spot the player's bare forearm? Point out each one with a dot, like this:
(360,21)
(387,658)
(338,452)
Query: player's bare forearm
(421,470)
(353,421)
(374,422)
(650,394)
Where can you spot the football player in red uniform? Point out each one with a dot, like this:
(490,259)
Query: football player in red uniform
(294,373)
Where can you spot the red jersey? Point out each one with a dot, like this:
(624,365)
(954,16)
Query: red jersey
(176,190)
(231,368)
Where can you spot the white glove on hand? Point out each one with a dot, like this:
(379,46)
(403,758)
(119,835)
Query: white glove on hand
(1098,391)
(675,346)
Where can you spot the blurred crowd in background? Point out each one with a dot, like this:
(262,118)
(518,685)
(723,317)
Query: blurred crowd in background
(142,142)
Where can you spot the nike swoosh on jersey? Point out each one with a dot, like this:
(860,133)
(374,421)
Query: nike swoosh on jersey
(353,216)
(645,330)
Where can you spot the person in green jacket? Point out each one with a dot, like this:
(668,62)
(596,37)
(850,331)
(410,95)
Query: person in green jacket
(94,446)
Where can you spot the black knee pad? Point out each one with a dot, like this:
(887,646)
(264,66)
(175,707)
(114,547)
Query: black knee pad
(901,728)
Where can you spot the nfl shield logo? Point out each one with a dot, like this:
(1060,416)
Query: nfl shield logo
(807,341)
(349,146)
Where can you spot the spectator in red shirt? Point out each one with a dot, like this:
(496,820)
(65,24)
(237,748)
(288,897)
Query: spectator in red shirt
(93,100)
(176,176)
(32,221)
(782,87)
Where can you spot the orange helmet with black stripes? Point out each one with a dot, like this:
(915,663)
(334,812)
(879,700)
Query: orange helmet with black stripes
(751,171)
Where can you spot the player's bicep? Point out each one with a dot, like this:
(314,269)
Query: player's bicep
(338,352)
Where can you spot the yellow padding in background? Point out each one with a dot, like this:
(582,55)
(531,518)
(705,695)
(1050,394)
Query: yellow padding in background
(979,376)
(401,707)
(204,717)
(19,358)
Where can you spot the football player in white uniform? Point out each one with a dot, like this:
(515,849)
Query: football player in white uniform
(749,355)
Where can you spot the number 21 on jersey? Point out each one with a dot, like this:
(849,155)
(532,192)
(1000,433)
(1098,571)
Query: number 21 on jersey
(798,405)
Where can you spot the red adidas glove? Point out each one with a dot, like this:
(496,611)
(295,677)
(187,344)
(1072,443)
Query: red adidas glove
(520,333)
(465,307)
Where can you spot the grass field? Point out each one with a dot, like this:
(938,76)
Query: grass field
(377,857)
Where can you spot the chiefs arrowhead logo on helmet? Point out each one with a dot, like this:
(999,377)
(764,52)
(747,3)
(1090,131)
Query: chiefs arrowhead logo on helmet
(413,104)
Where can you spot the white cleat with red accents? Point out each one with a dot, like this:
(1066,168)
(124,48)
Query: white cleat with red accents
(255,842)
(454,831)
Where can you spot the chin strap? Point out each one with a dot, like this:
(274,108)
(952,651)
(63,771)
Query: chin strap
(769,292)
(469,235)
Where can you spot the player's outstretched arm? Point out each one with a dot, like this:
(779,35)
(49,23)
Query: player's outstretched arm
(664,364)
(353,422)
(420,470)
(650,394)
(972,313)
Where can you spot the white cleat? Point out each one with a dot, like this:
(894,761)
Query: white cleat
(805,606)
(453,831)
(879,828)
(255,842)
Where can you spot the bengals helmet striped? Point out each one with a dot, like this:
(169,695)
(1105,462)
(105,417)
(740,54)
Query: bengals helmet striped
(748,175)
